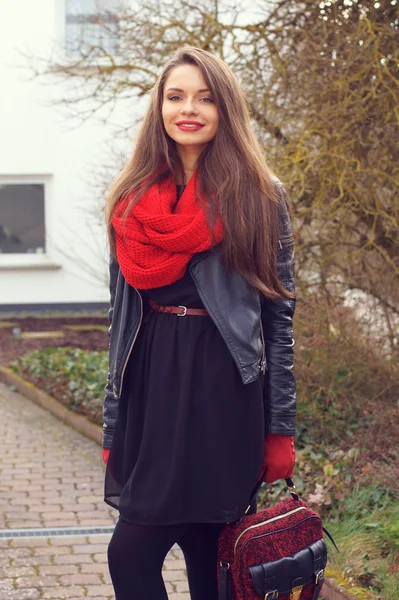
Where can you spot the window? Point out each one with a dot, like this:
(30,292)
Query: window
(92,23)
(22,222)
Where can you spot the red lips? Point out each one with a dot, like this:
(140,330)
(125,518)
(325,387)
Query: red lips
(189,125)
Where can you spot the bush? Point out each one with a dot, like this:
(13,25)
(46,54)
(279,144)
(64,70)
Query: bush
(73,376)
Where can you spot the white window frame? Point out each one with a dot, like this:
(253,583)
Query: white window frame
(15,261)
(61,34)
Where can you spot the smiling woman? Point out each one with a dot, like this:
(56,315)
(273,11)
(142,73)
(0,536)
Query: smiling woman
(199,409)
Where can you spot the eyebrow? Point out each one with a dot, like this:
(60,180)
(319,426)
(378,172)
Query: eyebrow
(180,90)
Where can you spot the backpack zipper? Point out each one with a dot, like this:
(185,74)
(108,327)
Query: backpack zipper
(277,518)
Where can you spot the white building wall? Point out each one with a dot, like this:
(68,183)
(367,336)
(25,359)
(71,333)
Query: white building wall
(38,144)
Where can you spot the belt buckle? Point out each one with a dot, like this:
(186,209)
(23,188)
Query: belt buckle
(185,311)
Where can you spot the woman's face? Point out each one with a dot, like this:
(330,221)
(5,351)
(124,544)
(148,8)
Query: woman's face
(189,113)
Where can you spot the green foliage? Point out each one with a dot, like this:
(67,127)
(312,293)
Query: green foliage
(74,376)
(366,527)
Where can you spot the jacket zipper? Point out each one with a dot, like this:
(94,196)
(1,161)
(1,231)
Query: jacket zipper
(263,361)
(277,518)
(285,239)
(134,339)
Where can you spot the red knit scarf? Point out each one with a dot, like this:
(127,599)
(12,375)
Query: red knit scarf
(155,245)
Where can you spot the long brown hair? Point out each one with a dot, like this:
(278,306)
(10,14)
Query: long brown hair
(232,171)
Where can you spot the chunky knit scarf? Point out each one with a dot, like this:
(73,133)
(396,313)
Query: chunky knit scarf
(155,244)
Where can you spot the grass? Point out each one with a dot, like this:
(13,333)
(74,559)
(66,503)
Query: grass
(366,529)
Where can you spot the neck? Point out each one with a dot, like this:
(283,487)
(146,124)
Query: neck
(189,156)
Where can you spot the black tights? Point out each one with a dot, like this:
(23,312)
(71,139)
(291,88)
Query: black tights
(136,554)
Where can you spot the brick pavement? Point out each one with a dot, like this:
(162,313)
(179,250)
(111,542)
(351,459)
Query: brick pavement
(52,476)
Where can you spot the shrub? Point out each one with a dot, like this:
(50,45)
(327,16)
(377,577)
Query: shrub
(74,376)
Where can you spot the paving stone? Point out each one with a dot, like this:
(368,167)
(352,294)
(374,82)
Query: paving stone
(23,524)
(174,575)
(55,593)
(80,579)
(175,564)
(177,552)
(36,581)
(96,590)
(52,550)
(28,542)
(56,514)
(32,561)
(100,557)
(16,572)
(45,508)
(181,586)
(78,508)
(68,540)
(90,548)
(26,594)
(7,584)
(95,522)
(18,552)
(26,486)
(28,502)
(59,569)
(60,523)
(95,568)
(57,487)
(99,539)
(72,560)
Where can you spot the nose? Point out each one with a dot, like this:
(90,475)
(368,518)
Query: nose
(188,108)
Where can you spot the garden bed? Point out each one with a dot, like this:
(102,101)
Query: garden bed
(86,332)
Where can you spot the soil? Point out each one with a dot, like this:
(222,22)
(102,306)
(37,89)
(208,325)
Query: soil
(12,346)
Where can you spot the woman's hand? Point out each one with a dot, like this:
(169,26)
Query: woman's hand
(106,452)
(278,457)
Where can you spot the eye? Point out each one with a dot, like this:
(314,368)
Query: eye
(208,99)
(173,97)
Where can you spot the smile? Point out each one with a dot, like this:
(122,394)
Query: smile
(187,126)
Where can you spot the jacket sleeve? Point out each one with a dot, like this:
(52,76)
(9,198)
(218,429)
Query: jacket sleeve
(110,402)
(280,385)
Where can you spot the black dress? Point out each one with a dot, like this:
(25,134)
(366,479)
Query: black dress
(188,440)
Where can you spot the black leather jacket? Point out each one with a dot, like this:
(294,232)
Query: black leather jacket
(257,331)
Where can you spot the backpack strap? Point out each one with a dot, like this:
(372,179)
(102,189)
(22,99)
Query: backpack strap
(224,581)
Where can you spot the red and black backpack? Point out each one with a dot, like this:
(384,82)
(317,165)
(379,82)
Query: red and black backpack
(278,552)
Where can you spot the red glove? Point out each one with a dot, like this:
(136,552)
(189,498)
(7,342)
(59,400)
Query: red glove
(106,452)
(278,457)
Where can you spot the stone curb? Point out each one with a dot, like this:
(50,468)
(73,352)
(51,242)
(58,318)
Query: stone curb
(56,408)
(94,432)
(332,591)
